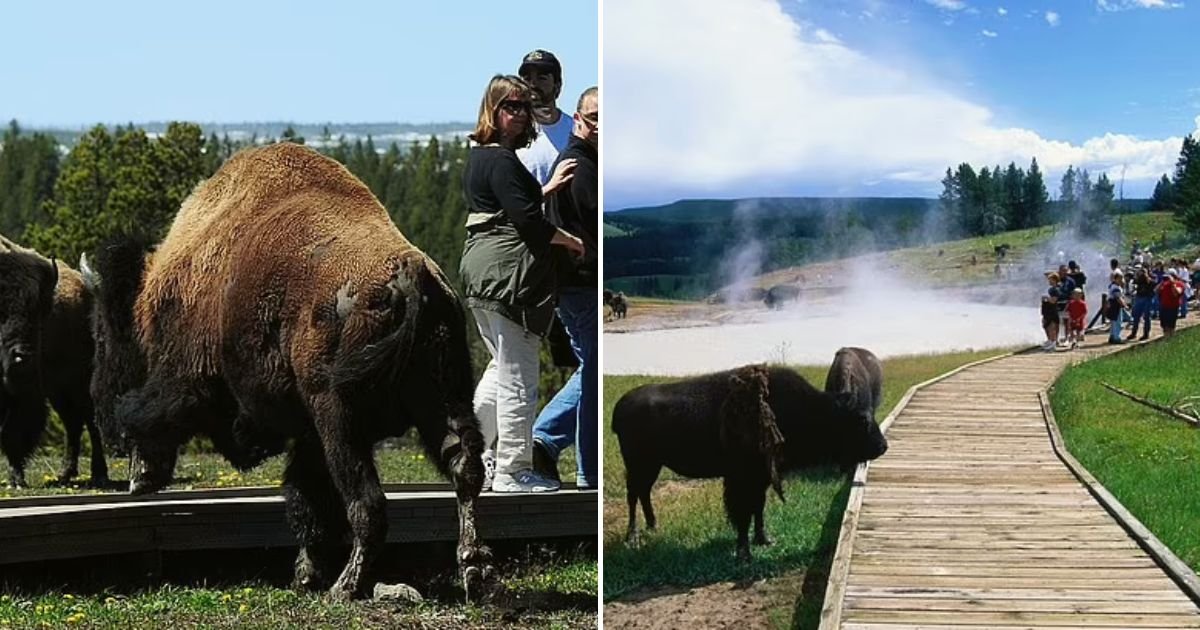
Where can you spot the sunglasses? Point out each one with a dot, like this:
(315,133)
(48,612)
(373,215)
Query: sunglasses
(514,106)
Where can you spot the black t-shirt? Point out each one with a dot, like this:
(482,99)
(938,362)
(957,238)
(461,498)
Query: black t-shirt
(495,180)
(1143,286)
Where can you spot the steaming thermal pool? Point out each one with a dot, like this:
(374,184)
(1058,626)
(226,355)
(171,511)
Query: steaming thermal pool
(810,334)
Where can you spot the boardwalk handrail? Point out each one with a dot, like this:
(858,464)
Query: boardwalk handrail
(831,611)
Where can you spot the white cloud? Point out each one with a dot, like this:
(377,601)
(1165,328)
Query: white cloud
(987,33)
(1126,5)
(1052,18)
(701,113)
(948,5)
(1001,11)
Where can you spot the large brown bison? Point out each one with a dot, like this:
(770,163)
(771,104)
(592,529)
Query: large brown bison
(45,354)
(857,372)
(747,426)
(284,309)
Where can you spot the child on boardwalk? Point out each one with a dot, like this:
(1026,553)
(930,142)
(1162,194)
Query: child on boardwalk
(1077,311)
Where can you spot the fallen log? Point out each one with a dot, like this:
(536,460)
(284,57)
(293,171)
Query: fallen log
(1170,411)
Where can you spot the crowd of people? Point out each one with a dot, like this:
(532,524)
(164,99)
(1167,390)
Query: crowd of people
(531,181)
(1142,290)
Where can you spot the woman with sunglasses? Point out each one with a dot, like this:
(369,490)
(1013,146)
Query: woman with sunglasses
(509,278)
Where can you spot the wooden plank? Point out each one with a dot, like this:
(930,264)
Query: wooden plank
(1035,619)
(42,531)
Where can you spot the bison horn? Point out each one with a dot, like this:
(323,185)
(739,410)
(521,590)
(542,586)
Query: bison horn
(90,279)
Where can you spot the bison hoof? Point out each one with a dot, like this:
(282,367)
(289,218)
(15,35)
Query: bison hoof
(17,482)
(761,540)
(478,582)
(743,555)
(344,591)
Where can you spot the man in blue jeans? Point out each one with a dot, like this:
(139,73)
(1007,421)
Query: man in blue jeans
(571,417)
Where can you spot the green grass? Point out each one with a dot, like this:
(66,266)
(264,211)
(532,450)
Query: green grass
(256,605)
(694,544)
(1148,460)
(403,461)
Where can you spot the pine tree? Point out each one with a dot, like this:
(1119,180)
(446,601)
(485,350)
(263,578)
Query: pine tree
(1036,198)
(1185,193)
(29,165)
(1163,199)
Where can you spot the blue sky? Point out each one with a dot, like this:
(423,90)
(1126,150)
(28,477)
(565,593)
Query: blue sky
(872,98)
(74,63)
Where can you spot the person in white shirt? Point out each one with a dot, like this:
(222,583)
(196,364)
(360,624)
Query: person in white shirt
(542,70)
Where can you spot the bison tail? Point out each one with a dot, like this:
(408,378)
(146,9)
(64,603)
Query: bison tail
(383,361)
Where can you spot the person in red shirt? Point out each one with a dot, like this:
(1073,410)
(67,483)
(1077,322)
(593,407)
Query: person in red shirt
(1077,311)
(1170,294)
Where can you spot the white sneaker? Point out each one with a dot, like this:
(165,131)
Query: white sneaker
(523,481)
(489,469)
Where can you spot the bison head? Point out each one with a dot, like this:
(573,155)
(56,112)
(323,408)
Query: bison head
(27,283)
(831,428)
(857,434)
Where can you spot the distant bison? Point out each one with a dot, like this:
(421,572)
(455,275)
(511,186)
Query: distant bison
(284,308)
(857,372)
(45,354)
(781,294)
(620,306)
(746,425)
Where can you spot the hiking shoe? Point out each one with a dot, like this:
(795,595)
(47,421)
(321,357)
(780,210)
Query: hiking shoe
(1116,342)
(489,469)
(1144,337)
(523,481)
(543,463)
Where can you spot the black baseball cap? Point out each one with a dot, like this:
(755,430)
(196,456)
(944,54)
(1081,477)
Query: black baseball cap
(543,59)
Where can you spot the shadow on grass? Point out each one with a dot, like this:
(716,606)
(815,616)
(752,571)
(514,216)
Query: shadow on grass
(695,544)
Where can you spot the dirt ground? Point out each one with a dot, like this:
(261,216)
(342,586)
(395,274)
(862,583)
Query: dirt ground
(723,605)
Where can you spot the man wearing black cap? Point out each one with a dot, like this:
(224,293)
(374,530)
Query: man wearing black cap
(541,70)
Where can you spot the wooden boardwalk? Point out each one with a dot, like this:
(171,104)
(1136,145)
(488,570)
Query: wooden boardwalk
(59,527)
(972,520)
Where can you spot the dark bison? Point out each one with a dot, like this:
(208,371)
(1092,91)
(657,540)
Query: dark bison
(284,308)
(781,294)
(857,372)
(746,426)
(620,305)
(45,354)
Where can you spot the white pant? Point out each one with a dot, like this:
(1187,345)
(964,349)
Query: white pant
(506,397)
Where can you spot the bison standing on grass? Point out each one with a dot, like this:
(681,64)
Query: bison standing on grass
(748,426)
(45,354)
(284,308)
(857,372)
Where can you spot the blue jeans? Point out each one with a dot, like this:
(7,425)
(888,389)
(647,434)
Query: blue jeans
(1114,333)
(1141,312)
(571,416)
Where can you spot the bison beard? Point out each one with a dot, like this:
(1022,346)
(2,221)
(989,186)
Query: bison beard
(284,310)
(747,426)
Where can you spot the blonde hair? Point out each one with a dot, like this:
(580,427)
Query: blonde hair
(498,89)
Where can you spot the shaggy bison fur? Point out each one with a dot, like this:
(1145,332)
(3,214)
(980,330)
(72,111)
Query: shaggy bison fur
(747,426)
(285,310)
(857,372)
(45,355)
